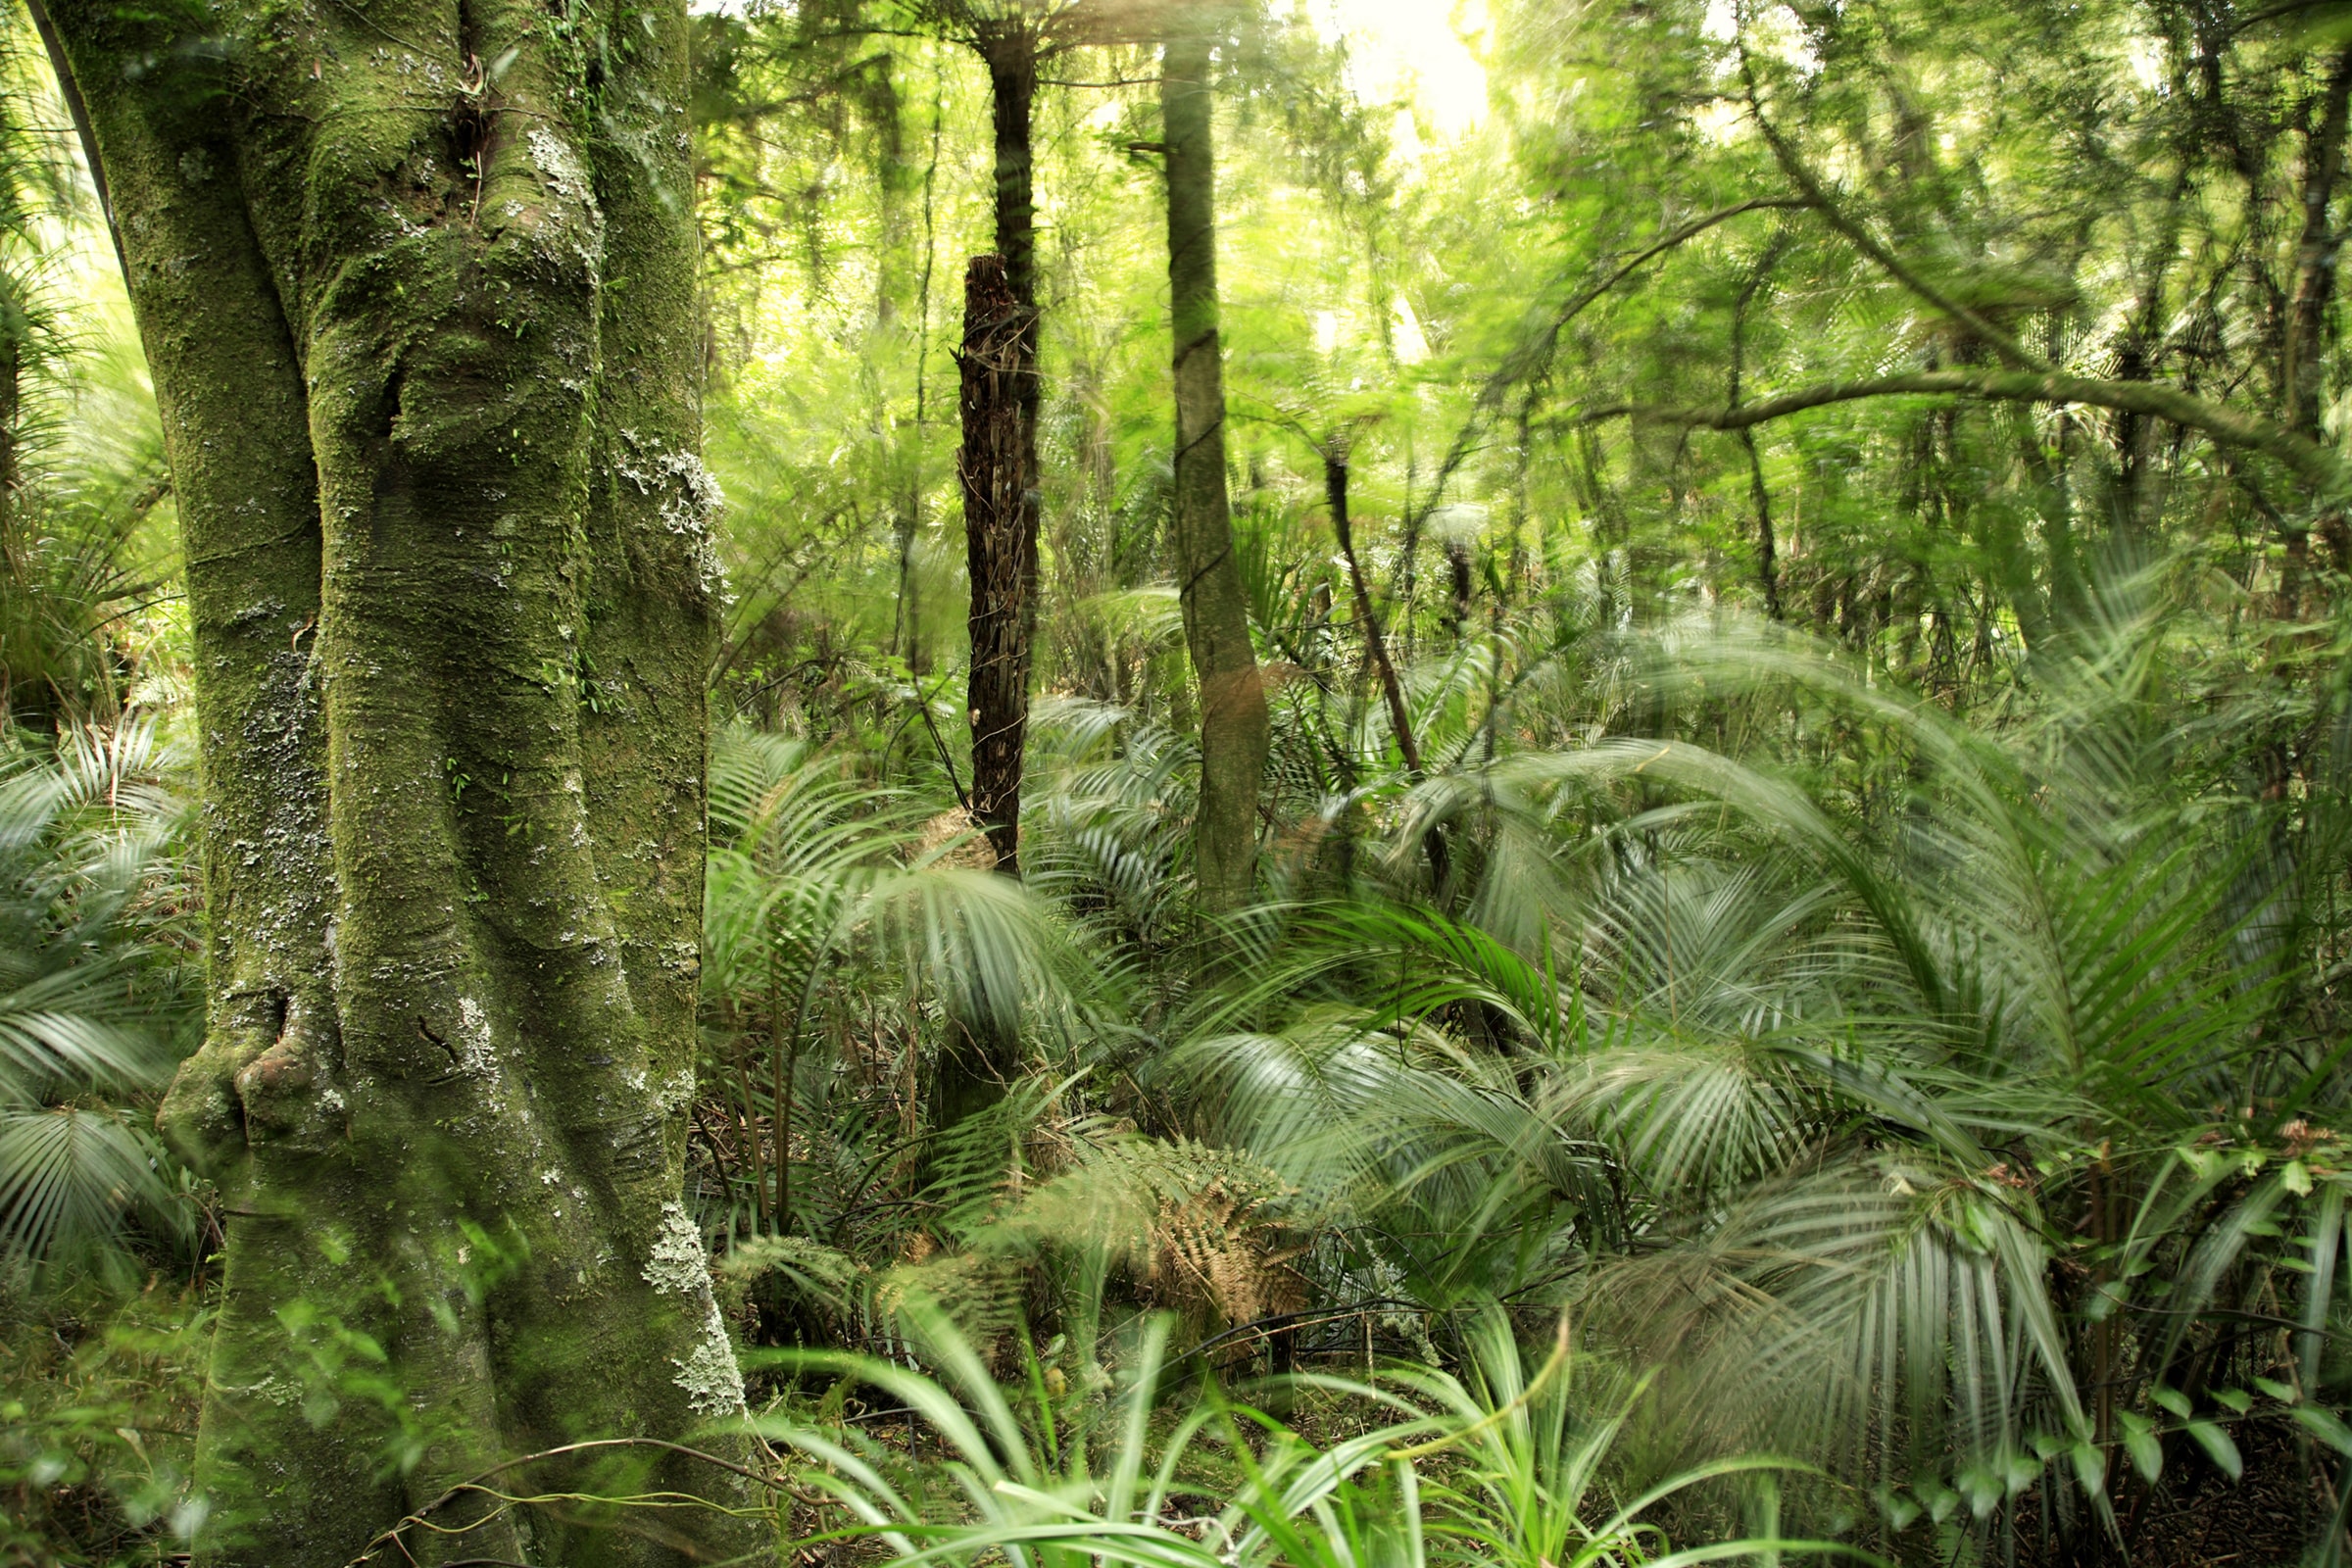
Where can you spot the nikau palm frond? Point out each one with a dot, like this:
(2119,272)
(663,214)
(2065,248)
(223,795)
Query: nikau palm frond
(90,833)
(1818,1132)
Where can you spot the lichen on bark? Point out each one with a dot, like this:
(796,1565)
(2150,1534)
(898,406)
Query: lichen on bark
(416,280)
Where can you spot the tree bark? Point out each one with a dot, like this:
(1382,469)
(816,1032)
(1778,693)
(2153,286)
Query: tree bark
(1000,534)
(1234,729)
(997,466)
(418,286)
(2303,368)
(999,460)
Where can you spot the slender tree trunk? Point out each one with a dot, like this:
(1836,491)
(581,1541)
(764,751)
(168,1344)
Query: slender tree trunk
(907,636)
(1376,649)
(998,461)
(997,466)
(26,701)
(1234,732)
(1000,525)
(1400,718)
(2302,373)
(1459,567)
(1768,564)
(437,473)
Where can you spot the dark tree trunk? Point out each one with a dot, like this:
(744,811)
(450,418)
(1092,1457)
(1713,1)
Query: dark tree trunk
(2302,371)
(1459,568)
(1234,729)
(1768,553)
(1375,652)
(999,531)
(452,589)
(1376,646)
(999,460)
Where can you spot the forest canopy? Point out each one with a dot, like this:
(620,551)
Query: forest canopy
(1270,783)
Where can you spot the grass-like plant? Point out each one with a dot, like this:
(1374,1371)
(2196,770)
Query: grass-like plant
(1499,1463)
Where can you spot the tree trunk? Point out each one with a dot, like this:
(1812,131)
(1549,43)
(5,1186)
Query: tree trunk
(999,530)
(999,535)
(1234,734)
(998,461)
(422,331)
(1458,569)
(1376,646)
(2302,374)
(1376,654)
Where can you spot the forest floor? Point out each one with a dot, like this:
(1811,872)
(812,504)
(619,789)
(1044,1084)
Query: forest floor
(2196,1517)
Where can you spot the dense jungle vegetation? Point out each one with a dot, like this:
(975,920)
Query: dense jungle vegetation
(1547,782)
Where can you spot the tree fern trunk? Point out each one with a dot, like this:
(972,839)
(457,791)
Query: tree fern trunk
(999,460)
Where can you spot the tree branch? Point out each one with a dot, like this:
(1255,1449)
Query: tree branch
(1519,365)
(1818,199)
(2317,466)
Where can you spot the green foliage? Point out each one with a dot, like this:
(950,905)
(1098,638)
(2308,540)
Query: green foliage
(98,1404)
(1105,1475)
(1866,934)
(94,942)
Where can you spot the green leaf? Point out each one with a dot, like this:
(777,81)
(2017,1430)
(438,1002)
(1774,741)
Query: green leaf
(2327,1426)
(2172,1400)
(2090,1468)
(2278,1391)
(2140,1442)
(2237,1402)
(2218,1446)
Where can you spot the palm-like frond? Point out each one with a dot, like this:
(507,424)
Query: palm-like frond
(90,835)
(67,1174)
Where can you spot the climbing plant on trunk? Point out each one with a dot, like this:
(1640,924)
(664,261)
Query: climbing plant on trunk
(418,284)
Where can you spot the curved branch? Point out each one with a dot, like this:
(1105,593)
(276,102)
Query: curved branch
(1520,365)
(2314,464)
(1820,200)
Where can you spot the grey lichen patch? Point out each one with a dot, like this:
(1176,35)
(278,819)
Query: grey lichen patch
(687,499)
(677,1266)
(275,1389)
(475,1058)
(713,1382)
(560,166)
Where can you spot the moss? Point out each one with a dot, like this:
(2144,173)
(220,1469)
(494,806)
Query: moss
(451,1028)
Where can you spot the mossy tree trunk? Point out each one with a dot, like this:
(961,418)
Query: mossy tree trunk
(1234,732)
(417,281)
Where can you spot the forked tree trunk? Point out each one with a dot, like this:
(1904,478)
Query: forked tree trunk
(418,284)
(999,460)
(1234,733)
